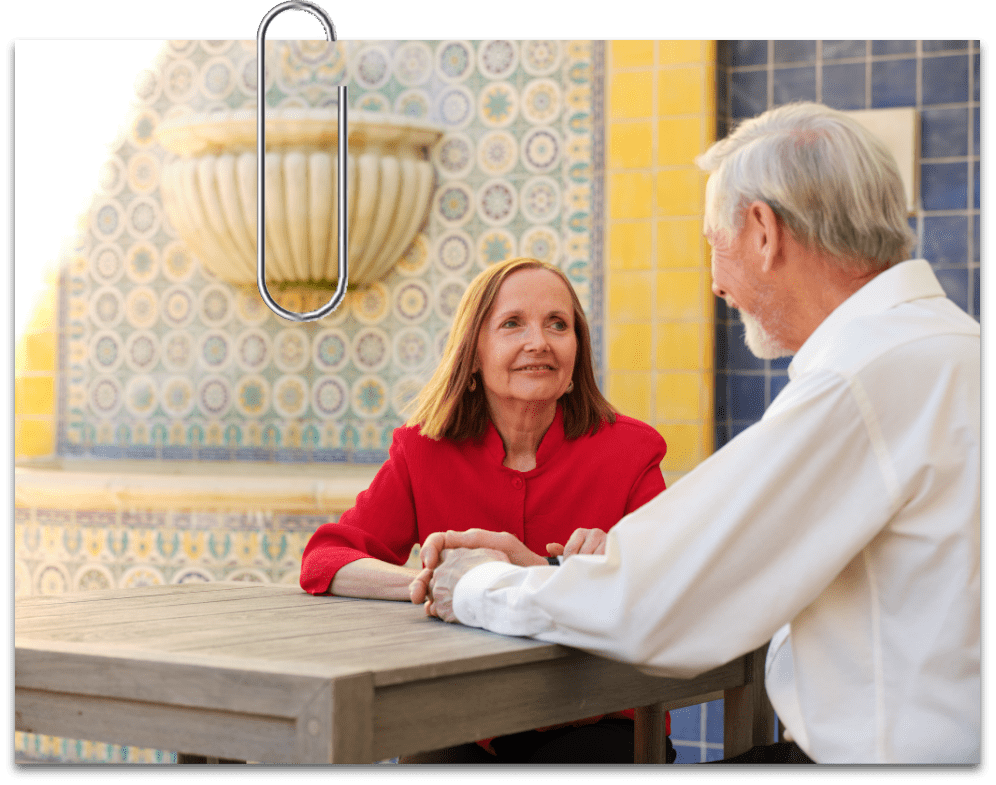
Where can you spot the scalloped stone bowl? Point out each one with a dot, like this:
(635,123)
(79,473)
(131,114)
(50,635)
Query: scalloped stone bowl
(209,191)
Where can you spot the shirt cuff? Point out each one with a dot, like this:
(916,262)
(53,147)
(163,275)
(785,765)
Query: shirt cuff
(468,594)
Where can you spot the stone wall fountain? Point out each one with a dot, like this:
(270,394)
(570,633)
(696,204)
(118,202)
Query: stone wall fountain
(209,191)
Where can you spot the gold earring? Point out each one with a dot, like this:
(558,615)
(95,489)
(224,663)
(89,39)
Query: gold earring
(473,384)
(570,387)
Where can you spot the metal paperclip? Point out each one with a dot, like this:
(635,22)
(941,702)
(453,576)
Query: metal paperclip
(341,178)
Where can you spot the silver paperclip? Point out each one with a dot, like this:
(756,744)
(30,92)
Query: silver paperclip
(340,291)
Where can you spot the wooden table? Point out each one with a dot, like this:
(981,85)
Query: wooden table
(268,673)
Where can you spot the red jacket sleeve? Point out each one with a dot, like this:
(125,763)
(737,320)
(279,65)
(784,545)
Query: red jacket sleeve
(649,482)
(382,525)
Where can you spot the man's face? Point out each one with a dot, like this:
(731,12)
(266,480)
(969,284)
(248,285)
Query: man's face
(736,277)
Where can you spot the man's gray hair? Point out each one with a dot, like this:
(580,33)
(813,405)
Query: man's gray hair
(834,184)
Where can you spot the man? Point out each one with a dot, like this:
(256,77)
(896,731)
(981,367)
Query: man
(845,525)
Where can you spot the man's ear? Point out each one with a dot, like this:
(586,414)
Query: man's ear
(767,233)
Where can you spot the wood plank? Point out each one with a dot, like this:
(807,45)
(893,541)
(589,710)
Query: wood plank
(276,688)
(650,732)
(195,730)
(352,719)
(436,713)
(748,718)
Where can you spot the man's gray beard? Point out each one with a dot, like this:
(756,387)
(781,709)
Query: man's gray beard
(760,343)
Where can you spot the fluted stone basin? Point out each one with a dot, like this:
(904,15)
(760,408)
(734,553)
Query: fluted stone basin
(209,191)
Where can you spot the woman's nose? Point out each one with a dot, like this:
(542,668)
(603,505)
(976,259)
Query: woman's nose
(536,339)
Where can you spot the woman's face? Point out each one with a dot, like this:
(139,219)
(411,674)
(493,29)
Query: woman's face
(527,346)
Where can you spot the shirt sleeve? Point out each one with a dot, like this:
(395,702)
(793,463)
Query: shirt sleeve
(381,525)
(712,568)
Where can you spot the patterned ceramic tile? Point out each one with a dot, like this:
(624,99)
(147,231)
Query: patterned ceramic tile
(165,361)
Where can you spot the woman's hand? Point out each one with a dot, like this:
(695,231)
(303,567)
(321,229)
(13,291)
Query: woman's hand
(582,541)
(515,551)
(435,586)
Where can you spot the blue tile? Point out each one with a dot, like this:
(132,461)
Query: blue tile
(687,754)
(893,83)
(748,93)
(944,132)
(722,434)
(977,175)
(722,347)
(714,753)
(945,80)
(721,394)
(893,47)
(794,84)
(944,186)
(943,46)
(686,724)
(724,52)
(714,722)
(740,357)
(838,50)
(844,86)
(975,81)
(779,364)
(976,222)
(955,284)
(945,240)
(777,385)
(976,290)
(794,51)
(746,397)
(739,426)
(749,53)
(976,146)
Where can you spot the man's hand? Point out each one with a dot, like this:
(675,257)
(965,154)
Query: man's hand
(515,551)
(435,586)
(582,541)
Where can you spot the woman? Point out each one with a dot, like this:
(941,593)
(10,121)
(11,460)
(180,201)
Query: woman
(511,434)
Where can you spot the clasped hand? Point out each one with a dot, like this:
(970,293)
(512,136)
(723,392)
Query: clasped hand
(447,556)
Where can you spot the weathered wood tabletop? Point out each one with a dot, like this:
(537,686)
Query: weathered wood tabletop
(268,673)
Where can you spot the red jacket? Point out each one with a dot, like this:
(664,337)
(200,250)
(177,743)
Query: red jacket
(427,486)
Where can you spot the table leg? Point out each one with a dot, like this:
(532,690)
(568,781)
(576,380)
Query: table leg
(748,718)
(649,728)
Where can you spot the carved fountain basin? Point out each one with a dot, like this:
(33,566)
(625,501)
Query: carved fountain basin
(209,191)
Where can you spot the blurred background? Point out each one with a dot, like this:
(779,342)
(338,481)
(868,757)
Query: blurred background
(167,427)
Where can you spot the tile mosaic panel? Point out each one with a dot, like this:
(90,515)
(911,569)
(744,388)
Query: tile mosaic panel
(161,360)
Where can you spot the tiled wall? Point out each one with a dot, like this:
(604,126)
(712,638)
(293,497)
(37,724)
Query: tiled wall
(148,344)
(660,115)
(940,79)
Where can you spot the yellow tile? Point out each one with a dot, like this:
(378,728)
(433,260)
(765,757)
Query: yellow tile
(679,295)
(675,52)
(629,297)
(631,54)
(680,192)
(631,195)
(39,351)
(679,243)
(631,245)
(631,145)
(679,140)
(680,346)
(684,446)
(680,396)
(631,95)
(630,347)
(34,395)
(35,438)
(630,394)
(681,90)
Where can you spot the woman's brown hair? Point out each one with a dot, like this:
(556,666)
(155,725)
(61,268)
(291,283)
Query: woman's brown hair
(447,408)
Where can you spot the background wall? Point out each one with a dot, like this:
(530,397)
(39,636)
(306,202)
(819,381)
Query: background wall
(940,79)
(148,356)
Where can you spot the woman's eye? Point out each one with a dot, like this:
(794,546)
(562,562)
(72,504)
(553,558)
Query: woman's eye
(559,325)
(509,323)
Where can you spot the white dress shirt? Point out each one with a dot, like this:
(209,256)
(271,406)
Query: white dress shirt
(844,526)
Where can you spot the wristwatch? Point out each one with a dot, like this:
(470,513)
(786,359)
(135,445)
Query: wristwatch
(553,560)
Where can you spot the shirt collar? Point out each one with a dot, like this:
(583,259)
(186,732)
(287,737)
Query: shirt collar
(549,444)
(902,283)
